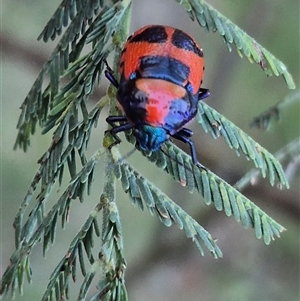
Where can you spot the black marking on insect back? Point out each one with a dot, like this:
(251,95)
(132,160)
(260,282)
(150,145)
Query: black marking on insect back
(164,67)
(133,101)
(154,34)
(183,41)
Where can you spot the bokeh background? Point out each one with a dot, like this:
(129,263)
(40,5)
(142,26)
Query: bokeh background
(162,263)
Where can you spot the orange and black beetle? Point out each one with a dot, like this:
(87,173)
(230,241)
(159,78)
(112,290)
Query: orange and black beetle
(161,73)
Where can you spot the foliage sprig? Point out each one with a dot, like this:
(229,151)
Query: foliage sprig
(58,102)
(212,20)
(216,124)
(264,119)
(212,188)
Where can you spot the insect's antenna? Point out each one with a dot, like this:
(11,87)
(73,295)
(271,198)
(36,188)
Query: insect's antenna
(119,161)
(126,155)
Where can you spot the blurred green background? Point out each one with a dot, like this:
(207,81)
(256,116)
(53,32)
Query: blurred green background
(162,263)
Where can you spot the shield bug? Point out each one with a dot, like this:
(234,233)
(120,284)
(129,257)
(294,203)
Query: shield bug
(161,71)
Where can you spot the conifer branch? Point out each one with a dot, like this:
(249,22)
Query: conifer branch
(264,119)
(61,106)
(43,226)
(145,194)
(216,124)
(112,285)
(82,11)
(213,189)
(286,156)
(52,165)
(67,268)
(212,20)
(38,104)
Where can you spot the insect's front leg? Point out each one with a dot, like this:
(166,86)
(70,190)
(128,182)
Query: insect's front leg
(110,75)
(112,120)
(203,93)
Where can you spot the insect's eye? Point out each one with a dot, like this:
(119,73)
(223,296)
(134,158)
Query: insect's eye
(132,76)
(189,87)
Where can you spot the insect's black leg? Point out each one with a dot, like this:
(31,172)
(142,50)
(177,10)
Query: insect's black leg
(185,132)
(111,78)
(203,93)
(118,129)
(109,75)
(183,135)
(111,120)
